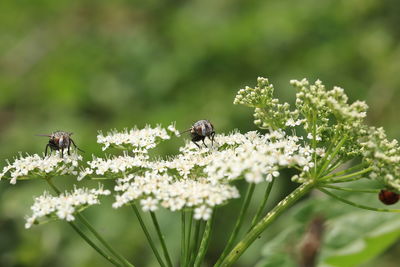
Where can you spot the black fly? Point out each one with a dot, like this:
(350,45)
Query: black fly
(200,130)
(60,140)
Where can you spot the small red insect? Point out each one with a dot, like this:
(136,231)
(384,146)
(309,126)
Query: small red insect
(388,197)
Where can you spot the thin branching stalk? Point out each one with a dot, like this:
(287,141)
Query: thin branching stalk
(238,224)
(188,240)
(183,238)
(334,181)
(93,245)
(91,229)
(344,172)
(260,210)
(354,174)
(314,142)
(161,237)
(102,241)
(193,247)
(251,236)
(327,153)
(332,156)
(205,241)
(148,236)
(373,191)
(356,204)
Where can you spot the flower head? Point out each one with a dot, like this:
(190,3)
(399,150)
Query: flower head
(154,190)
(138,140)
(34,166)
(65,205)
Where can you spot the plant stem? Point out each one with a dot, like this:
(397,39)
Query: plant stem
(161,237)
(93,245)
(205,241)
(331,167)
(249,238)
(58,192)
(187,258)
(147,234)
(327,153)
(101,239)
(346,171)
(355,204)
(374,191)
(337,181)
(238,224)
(183,238)
(332,156)
(348,175)
(193,247)
(262,206)
(314,142)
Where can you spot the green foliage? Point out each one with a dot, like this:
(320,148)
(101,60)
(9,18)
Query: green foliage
(351,236)
(89,65)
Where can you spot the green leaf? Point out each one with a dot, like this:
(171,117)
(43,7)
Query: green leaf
(352,236)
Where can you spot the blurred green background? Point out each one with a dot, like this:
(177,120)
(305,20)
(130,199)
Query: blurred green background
(84,66)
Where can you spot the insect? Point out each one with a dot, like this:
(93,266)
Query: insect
(200,130)
(388,197)
(60,140)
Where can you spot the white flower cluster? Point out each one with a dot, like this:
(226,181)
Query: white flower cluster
(258,157)
(114,166)
(65,205)
(154,190)
(32,166)
(139,140)
(384,157)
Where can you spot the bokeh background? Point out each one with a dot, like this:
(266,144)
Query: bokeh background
(84,66)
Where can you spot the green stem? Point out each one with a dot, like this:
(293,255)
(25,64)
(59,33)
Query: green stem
(193,246)
(102,240)
(348,175)
(93,245)
(58,192)
(249,238)
(332,156)
(335,181)
(205,241)
(355,204)
(187,258)
(147,234)
(374,191)
(260,210)
(346,171)
(314,143)
(238,224)
(331,167)
(161,237)
(183,238)
(327,152)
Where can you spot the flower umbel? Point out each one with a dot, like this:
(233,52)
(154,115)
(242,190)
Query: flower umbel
(137,140)
(34,166)
(65,205)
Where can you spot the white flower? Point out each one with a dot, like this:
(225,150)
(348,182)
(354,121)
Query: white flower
(34,166)
(149,204)
(202,213)
(114,166)
(153,189)
(139,140)
(65,205)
